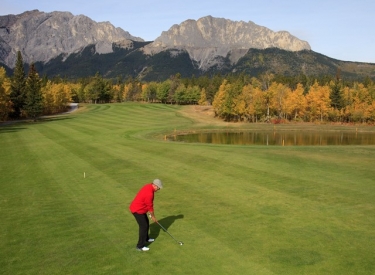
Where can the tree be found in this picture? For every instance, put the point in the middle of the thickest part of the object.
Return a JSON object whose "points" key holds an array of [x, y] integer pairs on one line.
{"points": [[5, 102], [48, 98], [296, 103], [336, 95], [243, 102], [219, 99], [79, 93], [98, 90], [127, 91], [56, 97], [175, 81], [132, 90], [203, 98], [149, 91], [117, 92], [371, 112], [180, 94], [162, 91], [258, 105], [318, 101], [34, 97], [266, 80], [17, 90], [192, 94], [269, 99], [361, 102], [280, 93], [103, 88]]}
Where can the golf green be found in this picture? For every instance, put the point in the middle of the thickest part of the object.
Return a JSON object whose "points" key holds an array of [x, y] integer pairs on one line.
{"points": [[66, 183]]}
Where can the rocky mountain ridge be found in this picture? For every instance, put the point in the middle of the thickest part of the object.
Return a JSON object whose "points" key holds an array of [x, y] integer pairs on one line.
{"points": [[43, 36], [64, 45], [209, 38]]}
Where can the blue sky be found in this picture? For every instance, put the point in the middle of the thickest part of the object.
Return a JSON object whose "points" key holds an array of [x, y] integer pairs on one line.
{"points": [[344, 29]]}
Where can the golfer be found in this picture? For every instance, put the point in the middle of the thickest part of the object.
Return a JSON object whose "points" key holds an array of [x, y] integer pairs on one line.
{"points": [[143, 203]]}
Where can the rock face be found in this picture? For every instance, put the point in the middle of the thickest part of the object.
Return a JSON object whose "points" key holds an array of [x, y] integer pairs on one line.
{"points": [[209, 38], [42, 36], [209, 41]]}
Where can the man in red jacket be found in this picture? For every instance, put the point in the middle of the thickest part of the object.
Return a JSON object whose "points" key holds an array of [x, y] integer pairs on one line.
{"points": [[143, 203]]}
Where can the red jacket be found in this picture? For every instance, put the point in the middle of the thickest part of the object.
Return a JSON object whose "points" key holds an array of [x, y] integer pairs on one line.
{"points": [[144, 200]]}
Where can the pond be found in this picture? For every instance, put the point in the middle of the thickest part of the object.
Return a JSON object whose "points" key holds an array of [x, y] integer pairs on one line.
{"points": [[280, 138]]}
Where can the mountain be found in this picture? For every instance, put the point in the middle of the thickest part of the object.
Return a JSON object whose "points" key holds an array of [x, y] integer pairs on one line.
{"points": [[76, 46], [43, 36], [210, 38]]}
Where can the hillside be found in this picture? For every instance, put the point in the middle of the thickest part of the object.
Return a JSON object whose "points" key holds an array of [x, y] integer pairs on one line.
{"points": [[133, 63]]}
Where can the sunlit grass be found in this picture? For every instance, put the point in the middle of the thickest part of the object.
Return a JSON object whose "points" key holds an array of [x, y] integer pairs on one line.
{"points": [[66, 183]]}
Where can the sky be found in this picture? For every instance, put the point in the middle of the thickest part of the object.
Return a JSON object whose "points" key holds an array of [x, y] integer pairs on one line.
{"points": [[339, 29]]}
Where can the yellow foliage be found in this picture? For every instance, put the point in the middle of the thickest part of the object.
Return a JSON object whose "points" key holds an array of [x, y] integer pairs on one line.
{"points": [[203, 98], [126, 90], [219, 99], [5, 102], [56, 97], [117, 93], [295, 103], [318, 101]]}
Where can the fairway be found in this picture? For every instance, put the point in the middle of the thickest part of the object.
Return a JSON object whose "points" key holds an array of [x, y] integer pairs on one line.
{"points": [[66, 183]]}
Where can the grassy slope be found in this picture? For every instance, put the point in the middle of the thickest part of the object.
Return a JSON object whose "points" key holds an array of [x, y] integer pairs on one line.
{"points": [[238, 209]]}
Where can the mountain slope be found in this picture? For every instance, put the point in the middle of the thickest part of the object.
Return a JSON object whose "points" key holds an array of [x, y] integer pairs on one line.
{"points": [[134, 63]]}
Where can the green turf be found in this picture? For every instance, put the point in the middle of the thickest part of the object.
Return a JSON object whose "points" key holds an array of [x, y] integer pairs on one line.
{"points": [[238, 209]]}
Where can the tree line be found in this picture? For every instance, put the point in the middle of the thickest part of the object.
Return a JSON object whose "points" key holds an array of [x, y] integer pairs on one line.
{"points": [[234, 97], [29, 96], [331, 102]]}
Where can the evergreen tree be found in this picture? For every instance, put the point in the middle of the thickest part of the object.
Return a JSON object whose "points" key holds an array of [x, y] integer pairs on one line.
{"points": [[99, 90], [17, 90], [34, 97], [336, 96]]}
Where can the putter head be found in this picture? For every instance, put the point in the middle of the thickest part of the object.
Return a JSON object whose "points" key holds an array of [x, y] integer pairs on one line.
{"points": [[180, 243]]}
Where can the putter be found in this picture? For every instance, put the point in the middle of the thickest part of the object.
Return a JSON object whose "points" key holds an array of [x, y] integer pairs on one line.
{"points": [[180, 243]]}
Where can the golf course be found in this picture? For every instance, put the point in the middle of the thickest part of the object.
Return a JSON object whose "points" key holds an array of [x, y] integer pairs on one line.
{"points": [[66, 183]]}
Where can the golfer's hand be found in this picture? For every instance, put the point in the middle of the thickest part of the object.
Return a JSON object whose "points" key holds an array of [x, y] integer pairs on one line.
{"points": [[152, 217]]}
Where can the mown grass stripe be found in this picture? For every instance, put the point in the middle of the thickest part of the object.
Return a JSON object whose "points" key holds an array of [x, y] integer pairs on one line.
{"points": [[238, 209]]}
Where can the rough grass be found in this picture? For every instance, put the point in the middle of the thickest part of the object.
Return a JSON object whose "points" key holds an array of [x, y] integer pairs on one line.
{"points": [[238, 209]]}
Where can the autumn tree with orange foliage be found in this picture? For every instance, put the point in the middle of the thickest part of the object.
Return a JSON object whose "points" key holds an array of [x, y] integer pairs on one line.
{"points": [[56, 97], [295, 103], [318, 102], [359, 102]]}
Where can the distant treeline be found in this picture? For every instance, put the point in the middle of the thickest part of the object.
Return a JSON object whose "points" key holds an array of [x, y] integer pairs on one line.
{"points": [[234, 97]]}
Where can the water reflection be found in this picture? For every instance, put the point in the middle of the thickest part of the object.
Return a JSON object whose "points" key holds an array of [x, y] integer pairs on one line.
{"points": [[282, 138]]}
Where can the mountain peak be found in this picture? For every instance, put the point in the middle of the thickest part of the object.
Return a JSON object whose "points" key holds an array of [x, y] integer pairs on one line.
{"points": [[209, 37], [42, 36]]}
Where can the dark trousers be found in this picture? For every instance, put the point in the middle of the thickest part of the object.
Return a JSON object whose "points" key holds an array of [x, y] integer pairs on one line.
{"points": [[144, 226]]}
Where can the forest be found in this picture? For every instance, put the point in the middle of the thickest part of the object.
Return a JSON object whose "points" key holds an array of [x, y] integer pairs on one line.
{"points": [[234, 97]]}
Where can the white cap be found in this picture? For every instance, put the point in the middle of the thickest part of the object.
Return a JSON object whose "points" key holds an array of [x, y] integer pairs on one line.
{"points": [[158, 183]]}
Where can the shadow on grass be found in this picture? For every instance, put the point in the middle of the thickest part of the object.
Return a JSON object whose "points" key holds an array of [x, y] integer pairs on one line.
{"points": [[54, 118], [10, 129], [166, 223], [8, 126]]}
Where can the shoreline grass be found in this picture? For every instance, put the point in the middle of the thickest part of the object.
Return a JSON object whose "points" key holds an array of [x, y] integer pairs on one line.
{"points": [[238, 209]]}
